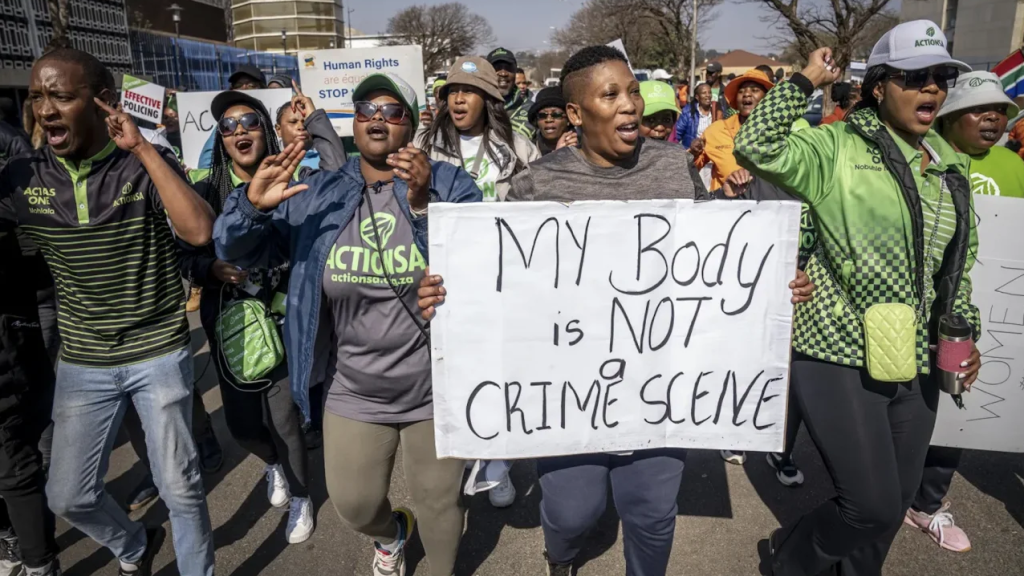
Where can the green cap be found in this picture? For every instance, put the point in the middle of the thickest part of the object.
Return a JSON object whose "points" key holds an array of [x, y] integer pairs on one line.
{"points": [[391, 83], [658, 96], [438, 83]]}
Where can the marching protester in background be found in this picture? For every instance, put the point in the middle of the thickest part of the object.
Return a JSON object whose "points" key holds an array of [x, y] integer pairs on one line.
{"points": [[121, 315], [353, 319], [246, 77], [845, 98], [696, 117], [430, 110], [260, 414], [172, 127], [660, 111], [713, 78], [683, 93], [517, 104], [884, 169], [280, 81], [972, 120], [524, 83], [26, 393], [613, 162], [548, 115], [716, 144], [472, 129], [301, 120]]}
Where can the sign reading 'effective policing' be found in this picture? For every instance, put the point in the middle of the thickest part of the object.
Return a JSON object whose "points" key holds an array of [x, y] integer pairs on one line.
{"points": [[611, 326], [142, 99]]}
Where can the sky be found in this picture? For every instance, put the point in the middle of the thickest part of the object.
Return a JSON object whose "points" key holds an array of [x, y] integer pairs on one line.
{"points": [[526, 24]]}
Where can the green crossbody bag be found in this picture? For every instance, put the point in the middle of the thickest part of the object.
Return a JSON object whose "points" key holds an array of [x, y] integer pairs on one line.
{"points": [[249, 342], [890, 329]]}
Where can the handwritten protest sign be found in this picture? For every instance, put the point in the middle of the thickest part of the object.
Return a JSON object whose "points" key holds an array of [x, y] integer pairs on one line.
{"points": [[142, 99], [197, 122], [330, 76], [611, 326], [993, 418]]}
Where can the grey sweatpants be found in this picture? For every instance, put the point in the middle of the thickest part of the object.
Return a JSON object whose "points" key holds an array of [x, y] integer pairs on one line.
{"points": [[358, 459]]}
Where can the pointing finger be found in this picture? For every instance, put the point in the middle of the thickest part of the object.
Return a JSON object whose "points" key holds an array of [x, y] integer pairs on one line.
{"points": [[104, 106]]}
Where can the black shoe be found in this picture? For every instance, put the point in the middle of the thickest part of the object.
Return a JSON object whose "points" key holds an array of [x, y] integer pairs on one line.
{"points": [[557, 569], [10, 554], [211, 457], [154, 540], [314, 439], [143, 494]]}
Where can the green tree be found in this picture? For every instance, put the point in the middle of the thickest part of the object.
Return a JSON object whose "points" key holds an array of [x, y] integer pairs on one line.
{"points": [[444, 31]]}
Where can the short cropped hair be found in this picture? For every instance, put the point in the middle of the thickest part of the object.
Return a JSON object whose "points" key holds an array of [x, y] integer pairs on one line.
{"points": [[97, 76], [578, 63]]}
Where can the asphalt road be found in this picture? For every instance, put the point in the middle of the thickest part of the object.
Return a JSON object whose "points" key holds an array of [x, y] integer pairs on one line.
{"points": [[724, 512]]}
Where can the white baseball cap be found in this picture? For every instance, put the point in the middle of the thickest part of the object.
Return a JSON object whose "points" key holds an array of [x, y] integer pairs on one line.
{"points": [[912, 46], [660, 74], [977, 89]]}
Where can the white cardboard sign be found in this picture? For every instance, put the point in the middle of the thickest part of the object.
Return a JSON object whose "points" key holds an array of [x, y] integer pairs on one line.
{"points": [[142, 99], [993, 415], [330, 76], [611, 326], [197, 122]]}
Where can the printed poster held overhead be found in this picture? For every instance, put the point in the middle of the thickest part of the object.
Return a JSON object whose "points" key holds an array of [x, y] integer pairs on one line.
{"points": [[330, 76], [142, 99], [611, 326]]}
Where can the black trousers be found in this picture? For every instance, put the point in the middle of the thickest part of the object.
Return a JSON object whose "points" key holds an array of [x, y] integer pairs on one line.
{"points": [[939, 466], [793, 417], [873, 437], [26, 402], [268, 425]]}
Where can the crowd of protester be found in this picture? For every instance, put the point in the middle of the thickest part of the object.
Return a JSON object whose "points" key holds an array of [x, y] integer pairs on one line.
{"points": [[278, 235]]}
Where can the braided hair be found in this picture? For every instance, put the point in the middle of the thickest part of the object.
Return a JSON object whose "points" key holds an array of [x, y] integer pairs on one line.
{"points": [[220, 171]]}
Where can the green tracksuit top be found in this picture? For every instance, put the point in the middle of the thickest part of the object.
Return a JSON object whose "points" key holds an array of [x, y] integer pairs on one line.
{"points": [[872, 221]]}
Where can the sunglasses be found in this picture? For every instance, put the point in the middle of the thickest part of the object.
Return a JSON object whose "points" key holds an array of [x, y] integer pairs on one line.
{"points": [[550, 115], [250, 121], [944, 76], [392, 113]]}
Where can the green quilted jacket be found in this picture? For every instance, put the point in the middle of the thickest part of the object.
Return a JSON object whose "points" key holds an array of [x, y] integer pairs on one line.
{"points": [[869, 221]]}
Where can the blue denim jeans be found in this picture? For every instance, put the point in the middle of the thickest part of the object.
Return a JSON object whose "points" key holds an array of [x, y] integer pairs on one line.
{"points": [[88, 408]]}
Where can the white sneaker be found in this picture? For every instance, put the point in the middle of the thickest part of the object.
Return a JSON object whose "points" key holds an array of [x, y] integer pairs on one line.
{"points": [[11, 568], [504, 494], [737, 458], [10, 561], [392, 563], [300, 521], [277, 486]]}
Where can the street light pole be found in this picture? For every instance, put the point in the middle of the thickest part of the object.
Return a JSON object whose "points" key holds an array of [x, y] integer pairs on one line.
{"points": [[693, 50], [175, 11], [349, 22], [284, 41]]}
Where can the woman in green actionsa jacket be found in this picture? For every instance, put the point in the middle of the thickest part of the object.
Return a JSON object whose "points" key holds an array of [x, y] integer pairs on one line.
{"points": [[892, 210]]}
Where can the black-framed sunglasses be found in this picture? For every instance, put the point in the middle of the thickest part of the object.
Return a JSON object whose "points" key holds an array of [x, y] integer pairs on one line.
{"points": [[392, 113], [944, 76], [550, 115], [249, 121]]}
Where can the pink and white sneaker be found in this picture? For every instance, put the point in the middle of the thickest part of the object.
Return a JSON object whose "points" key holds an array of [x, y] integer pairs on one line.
{"points": [[940, 527]]}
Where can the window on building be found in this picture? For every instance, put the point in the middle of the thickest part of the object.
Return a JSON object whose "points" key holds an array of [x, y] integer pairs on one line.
{"points": [[247, 44], [273, 25], [318, 42], [243, 29], [314, 9], [273, 9], [242, 13], [315, 25], [273, 43]]}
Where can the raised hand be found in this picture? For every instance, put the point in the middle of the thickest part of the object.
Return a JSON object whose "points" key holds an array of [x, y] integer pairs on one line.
{"points": [[567, 139], [300, 102], [122, 128], [411, 164], [269, 186], [821, 69]]}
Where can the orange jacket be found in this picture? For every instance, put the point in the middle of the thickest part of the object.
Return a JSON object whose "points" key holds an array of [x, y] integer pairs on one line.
{"points": [[835, 116], [1018, 134], [718, 144]]}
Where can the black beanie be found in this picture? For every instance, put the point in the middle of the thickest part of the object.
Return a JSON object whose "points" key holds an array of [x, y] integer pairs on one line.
{"points": [[547, 98]]}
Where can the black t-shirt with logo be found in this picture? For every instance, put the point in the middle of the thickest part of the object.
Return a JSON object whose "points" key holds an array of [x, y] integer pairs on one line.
{"points": [[104, 233]]}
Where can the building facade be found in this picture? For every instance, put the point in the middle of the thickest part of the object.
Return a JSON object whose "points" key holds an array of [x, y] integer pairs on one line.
{"points": [[979, 32], [287, 25]]}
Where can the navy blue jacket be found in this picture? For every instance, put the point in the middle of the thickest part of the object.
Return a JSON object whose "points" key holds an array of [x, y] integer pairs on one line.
{"points": [[302, 231]]}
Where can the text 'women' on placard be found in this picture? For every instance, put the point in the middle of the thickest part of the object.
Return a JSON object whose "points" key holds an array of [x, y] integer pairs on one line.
{"points": [[611, 326]]}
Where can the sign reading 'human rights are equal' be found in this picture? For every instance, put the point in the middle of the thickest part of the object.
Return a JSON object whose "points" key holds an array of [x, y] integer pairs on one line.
{"points": [[611, 326]]}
